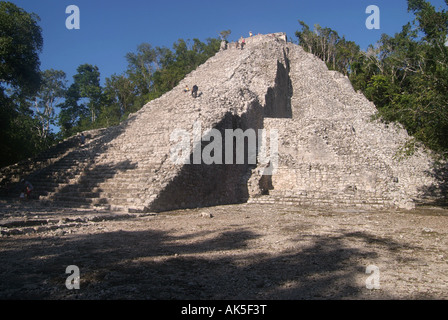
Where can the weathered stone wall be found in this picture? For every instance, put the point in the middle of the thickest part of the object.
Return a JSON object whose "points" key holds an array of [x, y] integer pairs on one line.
{"points": [[333, 153]]}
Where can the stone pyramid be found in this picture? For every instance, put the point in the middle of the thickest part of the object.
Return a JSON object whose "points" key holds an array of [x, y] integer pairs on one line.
{"points": [[330, 151]]}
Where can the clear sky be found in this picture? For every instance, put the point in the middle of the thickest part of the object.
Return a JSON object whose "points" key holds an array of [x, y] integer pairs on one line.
{"points": [[111, 28]]}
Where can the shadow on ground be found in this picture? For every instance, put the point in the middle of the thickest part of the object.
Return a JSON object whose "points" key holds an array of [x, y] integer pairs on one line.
{"points": [[203, 265], [437, 193]]}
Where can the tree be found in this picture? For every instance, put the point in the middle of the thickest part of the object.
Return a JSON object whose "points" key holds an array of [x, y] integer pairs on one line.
{"points": [[225, 34], [141, 66], [83, 101], [306, 37], [121, 91], [184, 58], [71, 111], [325, 43], [53, 89], [20, 43], [416, 62], [88, 82]]}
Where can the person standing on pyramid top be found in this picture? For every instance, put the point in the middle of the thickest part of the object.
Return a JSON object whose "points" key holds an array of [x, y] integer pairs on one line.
{"points": [[223, 45], [243, 42]]}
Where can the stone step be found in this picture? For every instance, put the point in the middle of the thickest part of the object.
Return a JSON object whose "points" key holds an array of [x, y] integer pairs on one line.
{"points": [[124, 202], [91, 194], [336, 202], [68, 204], [104, 207], [332, 199]]}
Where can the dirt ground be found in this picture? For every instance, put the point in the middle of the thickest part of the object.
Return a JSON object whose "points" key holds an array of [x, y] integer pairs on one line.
{"points": [[233, 252]]}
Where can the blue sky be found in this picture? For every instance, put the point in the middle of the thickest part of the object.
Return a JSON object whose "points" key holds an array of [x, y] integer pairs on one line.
{"points": [[111, 28]]}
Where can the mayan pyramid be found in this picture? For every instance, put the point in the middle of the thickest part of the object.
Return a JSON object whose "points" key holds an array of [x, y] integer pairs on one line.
{"points": [[330, 150]]}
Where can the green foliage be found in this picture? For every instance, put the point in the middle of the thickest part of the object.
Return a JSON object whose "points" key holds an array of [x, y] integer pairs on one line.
{"points": [[225, 34], [87, 81], [83, 101], [20, 44], [325, 43], [416, 63], [380, 90], [185, 58], [52, 90], [406, 150], [141, 67]]}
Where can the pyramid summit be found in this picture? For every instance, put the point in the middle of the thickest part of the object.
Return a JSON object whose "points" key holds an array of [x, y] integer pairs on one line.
{"points": [[329, 149]]}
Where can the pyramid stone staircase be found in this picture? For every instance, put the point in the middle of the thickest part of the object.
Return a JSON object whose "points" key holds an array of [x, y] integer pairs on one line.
{"points": [[330, 151]]}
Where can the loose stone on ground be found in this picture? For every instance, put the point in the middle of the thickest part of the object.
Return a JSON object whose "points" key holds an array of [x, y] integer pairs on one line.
{"points": [[245, 251]]}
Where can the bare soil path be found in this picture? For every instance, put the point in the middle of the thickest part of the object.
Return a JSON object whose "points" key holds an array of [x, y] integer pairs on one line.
{"points": [[242, 251]]}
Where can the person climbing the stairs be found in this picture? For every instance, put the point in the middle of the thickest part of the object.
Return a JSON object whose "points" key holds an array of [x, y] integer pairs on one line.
{"points": [[194, 91], [27, 188], [82, 139]]}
